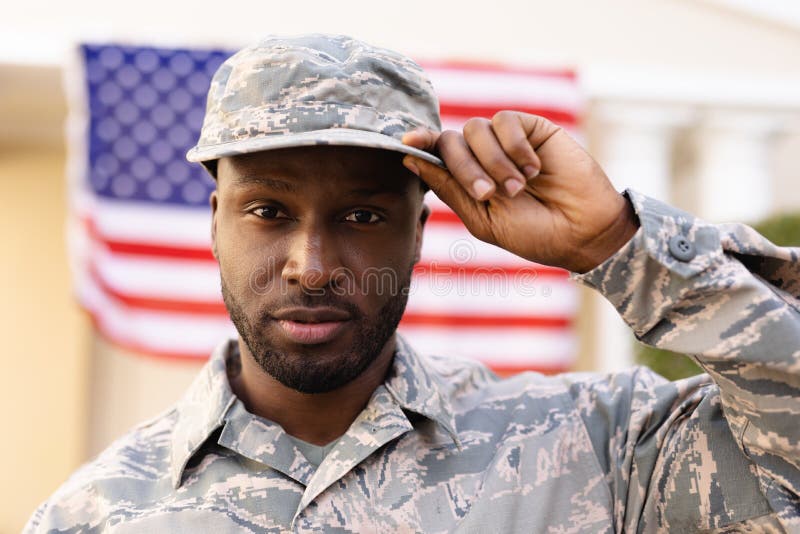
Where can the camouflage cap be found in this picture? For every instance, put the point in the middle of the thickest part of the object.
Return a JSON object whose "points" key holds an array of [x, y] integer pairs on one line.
{"points": [[315, 90]]}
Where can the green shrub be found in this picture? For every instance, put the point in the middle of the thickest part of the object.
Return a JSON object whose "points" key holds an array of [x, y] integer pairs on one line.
{"points": [[782, 230]]}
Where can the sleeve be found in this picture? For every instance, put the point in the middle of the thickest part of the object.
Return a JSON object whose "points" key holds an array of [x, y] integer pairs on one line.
{"points": [[705, 452]]}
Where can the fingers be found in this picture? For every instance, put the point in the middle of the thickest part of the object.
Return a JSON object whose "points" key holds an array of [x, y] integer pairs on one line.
{"points": [[495, 159], [446, 187], [497, 154], [512, 131], [460, 161], [464, 167]]}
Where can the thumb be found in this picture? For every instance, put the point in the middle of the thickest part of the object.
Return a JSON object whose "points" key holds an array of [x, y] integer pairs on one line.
{"points": [[447, 188]]}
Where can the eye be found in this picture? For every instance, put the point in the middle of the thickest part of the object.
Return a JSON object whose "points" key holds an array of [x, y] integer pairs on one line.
{"points": [[363, 216], [269, 212]]}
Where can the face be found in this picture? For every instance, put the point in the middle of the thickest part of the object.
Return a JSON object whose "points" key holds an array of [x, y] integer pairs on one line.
{"points": [[316, 246]]}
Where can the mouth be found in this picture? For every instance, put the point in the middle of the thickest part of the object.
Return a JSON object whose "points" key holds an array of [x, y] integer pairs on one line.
{"points": [[311, 326]]}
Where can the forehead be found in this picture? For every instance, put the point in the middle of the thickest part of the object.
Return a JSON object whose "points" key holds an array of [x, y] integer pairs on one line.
{"points": [[325, 165]]}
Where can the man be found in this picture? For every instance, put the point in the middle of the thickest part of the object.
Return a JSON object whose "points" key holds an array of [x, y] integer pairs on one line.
{"points": [[320, 418]]}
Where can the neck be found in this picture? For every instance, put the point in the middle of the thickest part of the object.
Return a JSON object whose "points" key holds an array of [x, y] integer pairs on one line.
{"points": [[317, 418]]}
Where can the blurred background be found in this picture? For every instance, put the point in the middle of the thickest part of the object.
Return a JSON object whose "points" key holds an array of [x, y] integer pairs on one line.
{"points": [[696, 102]]}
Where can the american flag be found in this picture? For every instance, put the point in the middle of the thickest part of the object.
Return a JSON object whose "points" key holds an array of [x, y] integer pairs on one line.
{"points": [[139, 228]]}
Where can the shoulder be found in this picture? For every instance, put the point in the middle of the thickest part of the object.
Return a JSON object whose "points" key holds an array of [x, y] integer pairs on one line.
{"points": [[468, 382], [133, 466]]}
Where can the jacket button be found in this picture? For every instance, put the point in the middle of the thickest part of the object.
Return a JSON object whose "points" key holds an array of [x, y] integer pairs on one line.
{"points": [[681, 248]]}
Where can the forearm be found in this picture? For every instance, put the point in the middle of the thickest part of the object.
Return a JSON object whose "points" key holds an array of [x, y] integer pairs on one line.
{"points": [[744, 331]]}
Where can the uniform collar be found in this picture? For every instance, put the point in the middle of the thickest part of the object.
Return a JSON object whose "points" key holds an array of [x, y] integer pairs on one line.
{"points": [[209, 404], [416, 387], [202, 409]]}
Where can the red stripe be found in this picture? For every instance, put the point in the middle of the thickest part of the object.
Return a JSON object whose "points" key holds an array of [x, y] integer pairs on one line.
{"points": [[478, 321], [457, 111], [445, 216], [471, 269], [500, 68], [434, 267], [421, 269], [217, 308], [148, 249], [545, 369], [162, 251], [198, 359], [197, 307], [138, 248], [142, 349]]}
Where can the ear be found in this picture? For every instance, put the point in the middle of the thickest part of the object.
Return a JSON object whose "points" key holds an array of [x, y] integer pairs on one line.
{"points": [[213, 201], [423, 218]]}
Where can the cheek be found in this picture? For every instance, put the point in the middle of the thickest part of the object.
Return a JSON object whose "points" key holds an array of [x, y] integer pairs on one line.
{"points": [[383, 269], [247, 263]]}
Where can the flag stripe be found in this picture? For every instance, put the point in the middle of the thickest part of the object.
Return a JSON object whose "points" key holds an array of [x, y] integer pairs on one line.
{"points": [[461, 111], [435, 243], [485, 69], [217, 307]]}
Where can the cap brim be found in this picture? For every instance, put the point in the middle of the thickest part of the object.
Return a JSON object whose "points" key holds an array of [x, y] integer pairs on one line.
{"points": [[334, 136]]}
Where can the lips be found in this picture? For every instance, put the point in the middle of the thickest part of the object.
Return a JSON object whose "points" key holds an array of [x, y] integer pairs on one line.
{"points": [[311, 326]]}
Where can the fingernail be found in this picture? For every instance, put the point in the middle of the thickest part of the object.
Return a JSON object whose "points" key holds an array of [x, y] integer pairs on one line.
{"points": [[513, 186], [410, 166], [481, 187], [530, 171]]}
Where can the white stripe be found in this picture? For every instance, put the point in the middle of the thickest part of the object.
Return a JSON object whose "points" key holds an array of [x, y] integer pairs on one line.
{"points": [[505, 88], [484, 293], [142, 276], [496, 346], [449, 244], [188, 227], [191, 334], [493, 295], [154, 331], [147, 223]]}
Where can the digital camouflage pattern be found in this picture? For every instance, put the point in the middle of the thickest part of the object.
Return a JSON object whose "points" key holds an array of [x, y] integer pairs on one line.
{"points": [[313, 90], [445, 446]]}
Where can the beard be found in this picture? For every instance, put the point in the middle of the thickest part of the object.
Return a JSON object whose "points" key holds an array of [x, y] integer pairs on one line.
{"points": [[304, 370]]}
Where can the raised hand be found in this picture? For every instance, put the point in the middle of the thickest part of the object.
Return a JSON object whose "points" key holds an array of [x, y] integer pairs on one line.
{"points": [[520, 182]]}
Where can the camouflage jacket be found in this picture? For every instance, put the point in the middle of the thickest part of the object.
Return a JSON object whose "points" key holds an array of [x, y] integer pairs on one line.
{"points": [[443, 445]]}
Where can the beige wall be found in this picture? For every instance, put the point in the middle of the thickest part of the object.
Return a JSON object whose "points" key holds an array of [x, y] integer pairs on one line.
{"points": [[128, 388], [45, 359], [66, 394]]}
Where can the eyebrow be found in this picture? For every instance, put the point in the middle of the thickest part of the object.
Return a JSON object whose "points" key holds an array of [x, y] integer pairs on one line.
{"points": [[273, 183], [291, 187]]}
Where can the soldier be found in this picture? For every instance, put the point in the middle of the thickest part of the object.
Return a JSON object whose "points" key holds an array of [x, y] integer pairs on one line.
{"points": [[320, 418]]}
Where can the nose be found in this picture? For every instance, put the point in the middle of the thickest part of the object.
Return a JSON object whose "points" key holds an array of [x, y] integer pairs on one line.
{"points": [[312, 259]]}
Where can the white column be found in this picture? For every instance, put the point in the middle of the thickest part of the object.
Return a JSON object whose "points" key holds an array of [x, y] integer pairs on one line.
{"points": [[733, 166], [634, 145]]}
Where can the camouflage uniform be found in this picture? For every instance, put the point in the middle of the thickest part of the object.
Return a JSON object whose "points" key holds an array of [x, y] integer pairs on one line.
{"points": [[445, 446]]}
